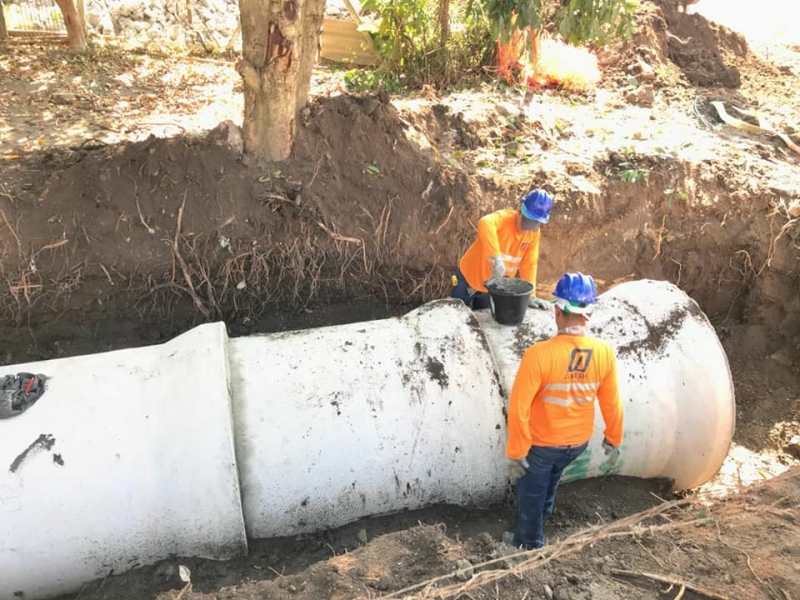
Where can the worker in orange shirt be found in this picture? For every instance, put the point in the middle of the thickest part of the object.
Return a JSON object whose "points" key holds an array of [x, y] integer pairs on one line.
{"points": [[508, 241], [551, 409]]}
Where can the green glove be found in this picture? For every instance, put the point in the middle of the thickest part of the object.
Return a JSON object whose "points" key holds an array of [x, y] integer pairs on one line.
{"points": [[517, 468], [612, 452]]}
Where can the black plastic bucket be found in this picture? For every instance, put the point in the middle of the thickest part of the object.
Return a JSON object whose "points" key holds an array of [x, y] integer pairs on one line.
{"points": [[509, 299]]}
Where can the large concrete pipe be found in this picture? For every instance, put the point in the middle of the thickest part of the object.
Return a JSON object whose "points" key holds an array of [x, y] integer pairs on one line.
{"points": [[674, 381], [329, 425], [126, 459], [338, 423]]}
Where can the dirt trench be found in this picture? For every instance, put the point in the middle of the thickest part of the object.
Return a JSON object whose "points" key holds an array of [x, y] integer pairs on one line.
{"points": [[117, 245], [366, 229], [172, 232]]}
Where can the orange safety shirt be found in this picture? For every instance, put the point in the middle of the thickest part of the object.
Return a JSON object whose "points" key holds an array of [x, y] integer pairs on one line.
{"points": [[552, 400], [499, 235]]}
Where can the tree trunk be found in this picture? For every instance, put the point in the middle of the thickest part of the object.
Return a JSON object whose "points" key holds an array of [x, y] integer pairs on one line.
{"points": [[75, 38], [313, 15], [3, 30], [444, 22], [279, 40]]}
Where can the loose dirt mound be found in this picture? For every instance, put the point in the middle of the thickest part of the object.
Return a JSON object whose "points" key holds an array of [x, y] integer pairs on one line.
{"points": [[684, 48], [164, 222], [708, 54]]}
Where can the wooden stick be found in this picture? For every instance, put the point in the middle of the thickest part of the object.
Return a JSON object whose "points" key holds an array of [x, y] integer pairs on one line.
{"points": [[53, 246], [185, 589], [11, 229], [682, 584], [182, 263]]}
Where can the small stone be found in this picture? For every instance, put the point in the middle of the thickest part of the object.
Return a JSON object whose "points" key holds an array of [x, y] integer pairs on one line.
{"points": [[793, 446], [573, 579], [727, 578], [228, 134], [370, 105], [548, 592], [506, 109], [184, 574], [362, 536], [384, 584], [562, 593], [63, 98], [465, 570], [782, 359], [646, 72], [794, 209], [643, 96], [172, 574]]}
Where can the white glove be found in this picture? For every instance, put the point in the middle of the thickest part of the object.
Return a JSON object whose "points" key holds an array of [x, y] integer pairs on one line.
{"points": [[498, 267], [517, 468], [535, 302], [612, 452]]}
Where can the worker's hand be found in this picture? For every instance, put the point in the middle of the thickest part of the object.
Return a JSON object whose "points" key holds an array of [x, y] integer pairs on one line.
{"points": [[517, 468], [612, 453], [535, 302], [498, 267]]}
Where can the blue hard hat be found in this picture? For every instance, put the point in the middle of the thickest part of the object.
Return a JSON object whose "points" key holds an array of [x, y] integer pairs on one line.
{"points": [[577, 290], [536, 206]]}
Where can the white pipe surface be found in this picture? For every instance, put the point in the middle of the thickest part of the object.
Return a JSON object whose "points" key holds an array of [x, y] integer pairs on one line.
{"points": [[674, 381], [329, 425], [338, 423], [125, 460]]}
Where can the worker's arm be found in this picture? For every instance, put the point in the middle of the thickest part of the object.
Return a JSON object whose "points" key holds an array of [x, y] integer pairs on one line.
{"points": [[611, 404], [529, 266], [487, 234], [526, 386]]}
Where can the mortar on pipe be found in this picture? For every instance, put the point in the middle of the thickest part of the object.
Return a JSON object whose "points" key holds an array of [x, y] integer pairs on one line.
{"points": [[331, 425]]}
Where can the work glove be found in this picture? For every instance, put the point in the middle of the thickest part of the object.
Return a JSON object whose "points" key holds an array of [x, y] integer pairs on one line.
{"points": [[612, 452], [517, 468], [535, 302], [498, 267]]}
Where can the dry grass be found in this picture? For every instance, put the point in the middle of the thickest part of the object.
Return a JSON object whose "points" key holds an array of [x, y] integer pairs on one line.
{"points": [[683, 514]]}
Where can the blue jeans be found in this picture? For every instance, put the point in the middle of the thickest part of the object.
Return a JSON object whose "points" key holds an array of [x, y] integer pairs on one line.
{"points": [[536, 491], [475, 300]]}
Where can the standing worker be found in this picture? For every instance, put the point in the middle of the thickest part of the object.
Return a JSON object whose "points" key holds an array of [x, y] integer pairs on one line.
{"points": [[508, 240], [551, 409]]}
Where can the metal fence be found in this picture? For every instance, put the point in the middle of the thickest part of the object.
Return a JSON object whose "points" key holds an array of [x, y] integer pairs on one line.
{"points": [[33, 15]]}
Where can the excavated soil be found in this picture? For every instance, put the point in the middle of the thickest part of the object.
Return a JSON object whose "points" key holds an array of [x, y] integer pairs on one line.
{"points": [[114, 235]]}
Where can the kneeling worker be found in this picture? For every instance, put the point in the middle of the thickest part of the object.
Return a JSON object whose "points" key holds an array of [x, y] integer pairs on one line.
{"points": [[508, 240], [551, 409]]}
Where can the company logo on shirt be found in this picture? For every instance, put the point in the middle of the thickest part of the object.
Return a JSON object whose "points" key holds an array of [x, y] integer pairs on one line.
{"points": [[579, 360], [524, 247]]}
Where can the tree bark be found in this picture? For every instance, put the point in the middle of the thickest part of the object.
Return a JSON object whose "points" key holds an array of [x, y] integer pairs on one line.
{"points": [[444, 22], [3, 30], [310, 47], [279, 41], [75, 37]]}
